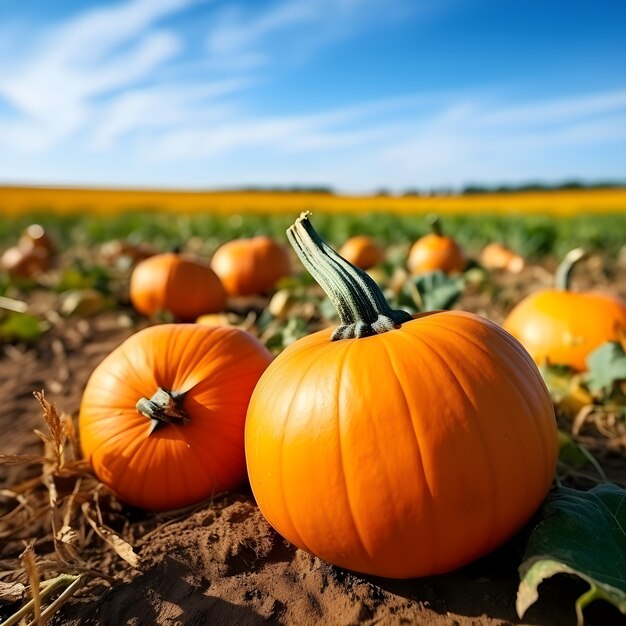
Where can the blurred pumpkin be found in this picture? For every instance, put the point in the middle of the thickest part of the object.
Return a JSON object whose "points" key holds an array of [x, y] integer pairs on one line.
{"points": [[395, 446], [251, 266], [436, 251], [162, 417], [559, 326], [496, 256], [362, 251], [170, 282]]}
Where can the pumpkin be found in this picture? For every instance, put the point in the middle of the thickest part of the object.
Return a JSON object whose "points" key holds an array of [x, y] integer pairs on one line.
{"points": [[496, 256], [162, 417], [362, 251], [562, 327], [251, 266], [436, 251], [397, 446], [170, 282]]}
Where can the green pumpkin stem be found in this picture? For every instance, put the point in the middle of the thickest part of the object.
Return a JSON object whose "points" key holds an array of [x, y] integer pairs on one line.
{"points": [[435, 224], [164, 407], [361, 305], [564, 270]]}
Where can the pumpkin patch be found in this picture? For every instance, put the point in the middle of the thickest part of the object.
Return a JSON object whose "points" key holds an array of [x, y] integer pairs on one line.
{"points": [[304, 452]]}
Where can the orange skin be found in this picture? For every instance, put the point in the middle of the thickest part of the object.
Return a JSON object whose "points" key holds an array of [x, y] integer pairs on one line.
{"points": [[563, 327], [436, 252], [362, 251], [408, 453], [177, 465], [251, 266], [495, 256], [169, 282]]}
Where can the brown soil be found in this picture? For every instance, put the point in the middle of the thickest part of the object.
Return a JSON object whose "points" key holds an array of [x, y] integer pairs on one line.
{"points": [[222, 563]]}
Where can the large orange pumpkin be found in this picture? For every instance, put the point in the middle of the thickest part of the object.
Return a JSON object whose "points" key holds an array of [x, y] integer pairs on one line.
{"points": [[436, 251], [251, 266], [362, 251], [170, 282], [395, 446], [562, 327], [162, 417]]}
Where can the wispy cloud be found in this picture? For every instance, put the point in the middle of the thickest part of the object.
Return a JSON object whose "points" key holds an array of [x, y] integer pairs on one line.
{"points": [[288, 30], [103, 50]]}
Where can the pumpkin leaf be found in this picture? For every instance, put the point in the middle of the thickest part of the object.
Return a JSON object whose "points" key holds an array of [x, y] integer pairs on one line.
{"points": [[436, 290], [582, 533], [22, 327], [566, 388], [574, 457], [295, 329], [607, 366]]}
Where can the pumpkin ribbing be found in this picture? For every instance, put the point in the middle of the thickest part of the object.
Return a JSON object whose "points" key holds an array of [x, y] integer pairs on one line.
{"points": [[405, 453]]}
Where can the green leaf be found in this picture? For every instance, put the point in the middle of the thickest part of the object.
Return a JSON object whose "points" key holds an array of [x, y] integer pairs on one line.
{"points": [[574, 457], [582, 533], [22, 327], [436, 290], [565, 387], [607, 365], [295, 329]]}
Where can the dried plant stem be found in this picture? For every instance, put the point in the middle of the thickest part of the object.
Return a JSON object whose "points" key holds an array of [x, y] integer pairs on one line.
{"points": [[47, 588]]}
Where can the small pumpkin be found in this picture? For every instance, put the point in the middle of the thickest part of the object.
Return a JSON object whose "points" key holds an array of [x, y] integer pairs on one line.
{"points": [[362, 251], [251, 266], [562, 327], [397, 446], [436, 251], [162, 417], [496, 256], [171, 282]]}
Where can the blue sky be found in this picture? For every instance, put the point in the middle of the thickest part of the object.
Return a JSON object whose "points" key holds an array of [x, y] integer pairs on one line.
{"points": [[354, 94]]}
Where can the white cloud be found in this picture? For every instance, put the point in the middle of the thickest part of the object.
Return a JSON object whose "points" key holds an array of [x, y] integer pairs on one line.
{"points": [[54, 86], [557, 111]]}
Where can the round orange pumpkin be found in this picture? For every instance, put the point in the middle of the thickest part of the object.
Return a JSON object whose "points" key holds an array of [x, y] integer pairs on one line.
{"points": [[251, 266], [162, 417], [496, 256], [436, 251], [562, 327], [395, 446], [362, 251], [170, 282]]}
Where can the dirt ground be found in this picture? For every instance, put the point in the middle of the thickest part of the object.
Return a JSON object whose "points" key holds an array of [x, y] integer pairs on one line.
{"points": [[222, 563]]}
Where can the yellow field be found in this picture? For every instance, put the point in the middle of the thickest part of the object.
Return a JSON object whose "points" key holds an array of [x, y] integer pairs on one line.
{"points": [[18, 200]]}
